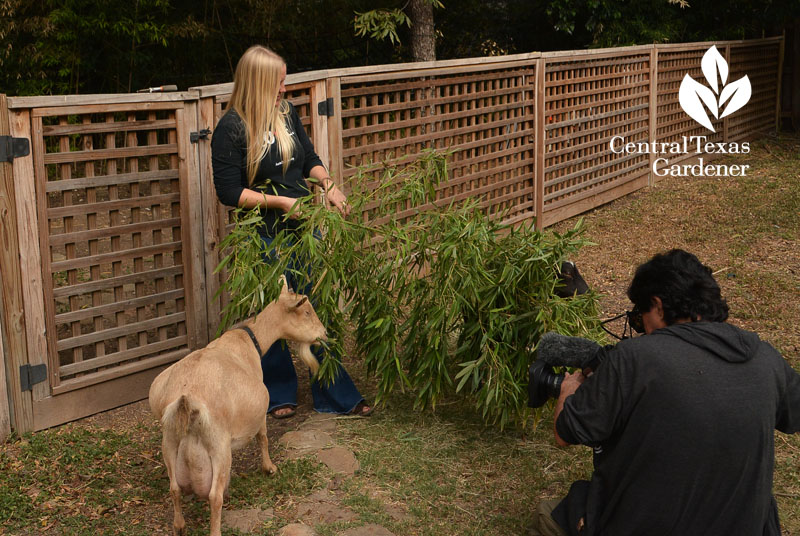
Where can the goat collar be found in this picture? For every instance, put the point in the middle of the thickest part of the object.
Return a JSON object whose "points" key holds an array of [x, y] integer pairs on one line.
{"points": [[253, 338]]}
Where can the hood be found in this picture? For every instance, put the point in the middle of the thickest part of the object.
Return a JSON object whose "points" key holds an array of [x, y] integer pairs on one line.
{"points": [[725, 341]]}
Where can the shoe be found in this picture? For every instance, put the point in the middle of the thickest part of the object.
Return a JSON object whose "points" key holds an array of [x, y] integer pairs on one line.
{"points": [[283, 415], [362, 410]]}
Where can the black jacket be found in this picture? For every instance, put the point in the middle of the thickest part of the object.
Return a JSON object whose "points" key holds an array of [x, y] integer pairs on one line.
{"points": [[229, 163], [682, 421]]}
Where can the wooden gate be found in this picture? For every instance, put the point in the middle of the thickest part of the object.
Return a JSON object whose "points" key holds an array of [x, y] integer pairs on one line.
{"points": [[108, 257]]}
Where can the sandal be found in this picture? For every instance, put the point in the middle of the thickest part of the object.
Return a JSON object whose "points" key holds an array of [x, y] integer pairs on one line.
{"points": [[362, 410], [284, 414]]}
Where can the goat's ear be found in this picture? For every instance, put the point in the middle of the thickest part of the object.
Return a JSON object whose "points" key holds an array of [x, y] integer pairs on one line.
{"points": [[301, 302], [284, 284]]}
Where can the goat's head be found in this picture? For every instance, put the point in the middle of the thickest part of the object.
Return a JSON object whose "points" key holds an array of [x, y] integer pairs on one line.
{"points": [[299, 321], [570, 281]]}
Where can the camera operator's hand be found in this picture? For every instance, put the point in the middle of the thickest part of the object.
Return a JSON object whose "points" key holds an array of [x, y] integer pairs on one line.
{"points": [[568, 387], [571, 383]]}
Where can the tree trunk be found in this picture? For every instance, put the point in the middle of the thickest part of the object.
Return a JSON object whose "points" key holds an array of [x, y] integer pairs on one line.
{"points": [[794, 104], [423, 39]]}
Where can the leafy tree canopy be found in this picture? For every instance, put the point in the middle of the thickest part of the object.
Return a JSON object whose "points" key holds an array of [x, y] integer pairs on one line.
{"points": [[83, 46]]}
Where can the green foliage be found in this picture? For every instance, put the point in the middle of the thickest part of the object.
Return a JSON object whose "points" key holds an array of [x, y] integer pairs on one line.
{"points": [[440, 298], [61, 46], [609, 23], [380, 24], [82, 46]]}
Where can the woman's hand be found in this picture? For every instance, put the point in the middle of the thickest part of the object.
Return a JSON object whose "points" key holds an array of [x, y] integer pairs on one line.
{"points": [[337, 199], [334, 197], [291, 207]]}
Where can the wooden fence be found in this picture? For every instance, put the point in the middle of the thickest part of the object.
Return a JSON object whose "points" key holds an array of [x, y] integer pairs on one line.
{"points": [[110, 222]]}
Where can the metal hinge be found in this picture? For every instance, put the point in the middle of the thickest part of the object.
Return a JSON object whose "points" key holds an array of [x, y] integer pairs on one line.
{"points": [[194, 137], [325, 107], [30, 375], [11, 148]]}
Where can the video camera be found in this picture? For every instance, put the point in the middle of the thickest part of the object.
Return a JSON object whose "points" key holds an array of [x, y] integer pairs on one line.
{"points": [[557, 350]]}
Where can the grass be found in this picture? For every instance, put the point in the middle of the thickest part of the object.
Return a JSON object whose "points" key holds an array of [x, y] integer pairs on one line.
{"points": [[445, 473], [453, 474], [78, 480]]}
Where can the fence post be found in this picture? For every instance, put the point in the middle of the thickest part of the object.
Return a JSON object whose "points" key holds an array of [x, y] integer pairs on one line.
{"points": [[334, 124], [781, 52], [319, 123], [211, 231], [795, 84], [538, 176], [5, 408], [192, 234], [11, 298], [22, 296], [653, 119]]}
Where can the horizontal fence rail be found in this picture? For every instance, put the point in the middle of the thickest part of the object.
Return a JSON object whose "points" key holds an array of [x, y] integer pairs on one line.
{"points": [[111, 222]]}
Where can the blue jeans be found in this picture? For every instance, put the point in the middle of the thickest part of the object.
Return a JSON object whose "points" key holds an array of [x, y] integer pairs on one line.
{"points": [[280, 377]]}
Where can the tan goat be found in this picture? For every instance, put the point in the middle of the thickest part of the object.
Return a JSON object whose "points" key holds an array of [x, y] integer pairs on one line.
{"points": [[213, 401]]}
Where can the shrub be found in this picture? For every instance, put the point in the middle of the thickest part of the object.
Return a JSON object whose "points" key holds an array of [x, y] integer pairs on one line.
{"points": [[438, 298]]}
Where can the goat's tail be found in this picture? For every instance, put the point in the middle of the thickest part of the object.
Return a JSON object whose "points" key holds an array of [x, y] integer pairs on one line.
{"points": [[184, 416], [304, 351]]}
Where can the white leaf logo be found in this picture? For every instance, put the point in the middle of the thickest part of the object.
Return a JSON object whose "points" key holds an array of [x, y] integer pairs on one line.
{"points": [[714, 63], [692, 95], [739, 92]]}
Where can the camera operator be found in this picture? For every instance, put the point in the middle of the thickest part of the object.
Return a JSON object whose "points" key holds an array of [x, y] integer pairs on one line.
{"points": [[681, 420]]}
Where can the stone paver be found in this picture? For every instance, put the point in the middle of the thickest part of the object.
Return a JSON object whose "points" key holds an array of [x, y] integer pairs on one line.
{"points": [[324, 422], [248, 520], [315, 436], [339, 460], [301, 442], [296, 529]]}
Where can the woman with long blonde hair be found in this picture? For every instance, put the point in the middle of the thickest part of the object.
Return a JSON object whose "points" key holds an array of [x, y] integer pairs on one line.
{"points": [[261, 156]]}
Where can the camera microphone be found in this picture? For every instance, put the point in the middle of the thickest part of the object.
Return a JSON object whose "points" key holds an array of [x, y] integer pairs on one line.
{"points": [[561, 351], [564, 351]]}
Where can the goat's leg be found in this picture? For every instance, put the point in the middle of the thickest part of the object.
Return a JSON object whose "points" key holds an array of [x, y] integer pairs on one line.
{"points": [[169, 449], [266, 463], [221, 467]]}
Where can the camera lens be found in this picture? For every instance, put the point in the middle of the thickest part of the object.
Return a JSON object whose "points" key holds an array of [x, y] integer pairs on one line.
{"points": [[543, 384]]}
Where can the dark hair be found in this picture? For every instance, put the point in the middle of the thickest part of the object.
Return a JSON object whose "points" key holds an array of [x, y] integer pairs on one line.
{"points": [[686, 287]]}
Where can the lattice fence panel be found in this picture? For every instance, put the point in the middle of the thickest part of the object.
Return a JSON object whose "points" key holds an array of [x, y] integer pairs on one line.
{"points": [[760, 64], [109, 196], [673, 124], [588, 102], [486, 118]]}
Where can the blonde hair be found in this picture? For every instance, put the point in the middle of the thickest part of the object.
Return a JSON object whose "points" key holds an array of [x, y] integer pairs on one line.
{"points": [[256, 85]]}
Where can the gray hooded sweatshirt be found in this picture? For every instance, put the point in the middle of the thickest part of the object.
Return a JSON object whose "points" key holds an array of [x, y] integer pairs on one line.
{"points": [[682, 422]]}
